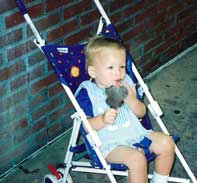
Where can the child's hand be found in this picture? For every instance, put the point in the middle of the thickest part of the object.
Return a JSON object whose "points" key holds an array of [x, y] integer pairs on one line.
{"points": [[131, 93], [109, 116], [134, 104]]}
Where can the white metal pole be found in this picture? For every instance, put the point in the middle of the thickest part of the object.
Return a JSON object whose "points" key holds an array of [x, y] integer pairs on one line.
{"points": [[40, 41], [102, 11]]}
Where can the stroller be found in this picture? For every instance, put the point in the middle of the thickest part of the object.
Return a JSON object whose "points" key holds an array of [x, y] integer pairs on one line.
{"points": [[68, 63]]}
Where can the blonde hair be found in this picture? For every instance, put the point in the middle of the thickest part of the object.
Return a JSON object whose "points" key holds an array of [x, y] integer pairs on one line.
{"points": [[97, 44]]}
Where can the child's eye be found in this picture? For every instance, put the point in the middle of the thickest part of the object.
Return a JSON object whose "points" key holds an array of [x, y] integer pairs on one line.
{"points": [[110, 67], [122, 67]]}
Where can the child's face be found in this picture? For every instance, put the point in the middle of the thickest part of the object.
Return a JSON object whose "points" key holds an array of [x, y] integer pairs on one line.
{"points": [[108, 67]]}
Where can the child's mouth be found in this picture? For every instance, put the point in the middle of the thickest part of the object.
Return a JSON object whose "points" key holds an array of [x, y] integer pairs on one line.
{"points": [[117, 82]]}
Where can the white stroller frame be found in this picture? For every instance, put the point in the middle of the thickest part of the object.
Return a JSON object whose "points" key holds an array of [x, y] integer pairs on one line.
{"points": [[80, 117]]}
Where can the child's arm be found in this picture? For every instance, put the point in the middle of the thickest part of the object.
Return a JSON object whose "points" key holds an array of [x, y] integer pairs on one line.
{"points": [[134, 104], [97, 122], [102, 120]]}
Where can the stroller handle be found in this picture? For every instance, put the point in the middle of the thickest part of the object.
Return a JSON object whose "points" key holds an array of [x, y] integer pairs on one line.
{"points": [[21, 7]]}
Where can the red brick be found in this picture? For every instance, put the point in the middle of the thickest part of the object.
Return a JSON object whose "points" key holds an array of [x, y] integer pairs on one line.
{"points": [[45, 22], [150, 66], [36, 72], [12, 70], [53, 104], [40, 139], [10, 38], [23, 123], [172, 52], [40, 112], [171, 32], [149, 3], [167, 43], [117, 17], [117, 4], [143, 38], [35, 58], [15, 126], [43, 83], [1, 59], [188, 12], [183, 33], [18, 82], [7, 5], [54, 130], [92, 16], [12, 100], [62, 30], [134, 9], [51, 4], [123, 26], [146, 15], [188, 41], [77, 9], [20, 50], [20, 125], [17, 18], [55, 89], [38, 99], [137, 30], [155, 21], [40, 125], [56, 114], [161, 28], [2, 90], [175, 9], [155, 42], [140, 17], [68, 106], [136, 53], [79, 36], [164, 4], [146, 58]]}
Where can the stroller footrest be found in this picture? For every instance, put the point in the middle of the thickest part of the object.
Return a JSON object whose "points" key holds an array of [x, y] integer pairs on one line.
{"points": [[78, 149]]}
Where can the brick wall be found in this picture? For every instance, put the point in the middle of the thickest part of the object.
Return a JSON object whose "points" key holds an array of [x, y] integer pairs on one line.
{"points": [[34, 108]]}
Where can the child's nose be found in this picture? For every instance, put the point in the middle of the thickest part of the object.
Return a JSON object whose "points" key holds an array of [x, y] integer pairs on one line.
{"points": [[118, 72]]}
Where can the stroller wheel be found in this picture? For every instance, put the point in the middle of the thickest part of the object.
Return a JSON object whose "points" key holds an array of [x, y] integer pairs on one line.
{"points": [[61, 172], [50, 179]]}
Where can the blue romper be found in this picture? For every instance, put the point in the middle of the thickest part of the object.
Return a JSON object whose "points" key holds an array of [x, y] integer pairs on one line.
{"points": [[125, 131]]}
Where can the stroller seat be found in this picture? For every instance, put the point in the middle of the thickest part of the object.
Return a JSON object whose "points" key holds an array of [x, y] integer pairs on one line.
{"points": [[68, 63]]}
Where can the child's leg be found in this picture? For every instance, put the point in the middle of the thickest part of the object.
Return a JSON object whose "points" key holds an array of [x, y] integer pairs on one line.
{"points": [[133, 159], [163, 146]]}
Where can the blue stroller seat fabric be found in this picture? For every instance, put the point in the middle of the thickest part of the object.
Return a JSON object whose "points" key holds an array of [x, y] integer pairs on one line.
{"points": [[68, 63]]}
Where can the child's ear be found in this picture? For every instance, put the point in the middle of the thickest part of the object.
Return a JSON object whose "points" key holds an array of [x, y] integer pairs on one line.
{"points": [[92, 71]]}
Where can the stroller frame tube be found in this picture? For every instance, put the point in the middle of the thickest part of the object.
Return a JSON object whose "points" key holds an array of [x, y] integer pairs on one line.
{"points": [[39, 41], [153, 106]]}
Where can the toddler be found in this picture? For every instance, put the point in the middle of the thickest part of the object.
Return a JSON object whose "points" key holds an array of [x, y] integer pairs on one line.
{"points": [[119, 128]]}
